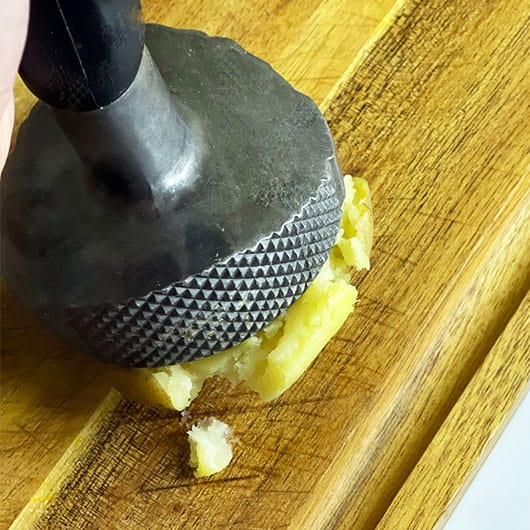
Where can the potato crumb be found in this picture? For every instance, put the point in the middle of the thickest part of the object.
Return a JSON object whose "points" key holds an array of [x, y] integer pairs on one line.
{"points": [[210, 447]]}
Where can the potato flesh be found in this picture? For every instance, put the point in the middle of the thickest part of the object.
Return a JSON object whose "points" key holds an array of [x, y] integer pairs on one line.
{"points": [[210, 448], [270, 362]]}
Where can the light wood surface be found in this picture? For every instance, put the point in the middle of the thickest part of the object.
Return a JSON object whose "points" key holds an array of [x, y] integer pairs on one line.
{"points": [[434, 112], [451, 460]]}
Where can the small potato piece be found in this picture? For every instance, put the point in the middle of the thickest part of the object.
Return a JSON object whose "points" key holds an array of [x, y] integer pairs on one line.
{"points": [[210, 448]]}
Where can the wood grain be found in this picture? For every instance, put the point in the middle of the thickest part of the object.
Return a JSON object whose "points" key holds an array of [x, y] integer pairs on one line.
{"points": [[434, 113], [433, 116], [451, 460]]}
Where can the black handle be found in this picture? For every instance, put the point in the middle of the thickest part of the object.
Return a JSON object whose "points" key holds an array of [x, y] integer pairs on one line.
{"points": [[81, 55]]}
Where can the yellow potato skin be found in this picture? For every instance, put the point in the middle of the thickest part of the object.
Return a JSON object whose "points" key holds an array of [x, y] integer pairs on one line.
{"points": [[278, 355]]}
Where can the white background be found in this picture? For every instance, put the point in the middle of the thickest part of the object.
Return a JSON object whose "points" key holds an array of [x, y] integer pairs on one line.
{"points": [[499, 496]]}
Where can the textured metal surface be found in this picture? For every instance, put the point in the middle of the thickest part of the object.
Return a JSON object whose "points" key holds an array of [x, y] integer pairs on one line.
{"points": [[138, 263], [224, 304]]}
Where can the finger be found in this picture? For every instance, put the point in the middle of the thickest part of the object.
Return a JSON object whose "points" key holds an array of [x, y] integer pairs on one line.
{"points": [[6, 127], [13, 28]]}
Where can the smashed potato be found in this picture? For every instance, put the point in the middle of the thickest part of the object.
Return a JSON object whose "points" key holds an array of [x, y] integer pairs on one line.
{"points": [[270, 362]]}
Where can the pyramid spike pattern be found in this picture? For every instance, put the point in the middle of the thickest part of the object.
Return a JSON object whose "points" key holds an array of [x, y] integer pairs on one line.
{"points": [[221, 306]]}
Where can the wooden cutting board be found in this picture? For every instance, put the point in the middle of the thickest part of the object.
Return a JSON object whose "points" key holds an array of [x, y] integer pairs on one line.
{"points": [[432, 106]]}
